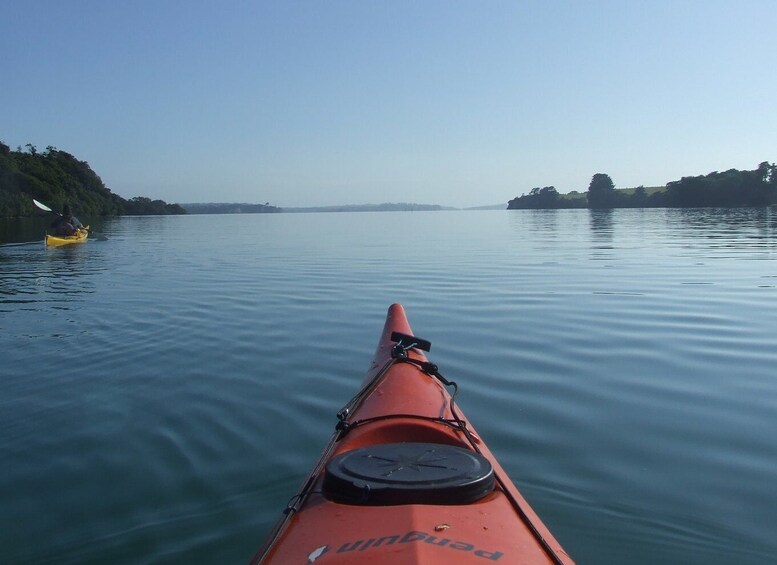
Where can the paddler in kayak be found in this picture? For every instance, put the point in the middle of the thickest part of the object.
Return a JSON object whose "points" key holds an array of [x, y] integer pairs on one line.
{"points": [[67, 223]]}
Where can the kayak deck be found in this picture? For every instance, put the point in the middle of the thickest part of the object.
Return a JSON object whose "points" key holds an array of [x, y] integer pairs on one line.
{"points": [[406, 480]]}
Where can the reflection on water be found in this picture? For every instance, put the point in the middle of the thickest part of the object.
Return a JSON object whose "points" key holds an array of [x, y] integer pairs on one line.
{"points": [[540, 221], [601, 224], [38, 274], [731, 227], [23, 230]]}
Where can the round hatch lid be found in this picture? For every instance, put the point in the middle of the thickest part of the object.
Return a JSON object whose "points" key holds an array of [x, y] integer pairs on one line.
{"points": [[408, 473]]}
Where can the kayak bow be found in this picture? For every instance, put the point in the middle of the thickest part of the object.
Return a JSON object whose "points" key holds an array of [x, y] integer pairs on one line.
{"points": [[406, 480]]}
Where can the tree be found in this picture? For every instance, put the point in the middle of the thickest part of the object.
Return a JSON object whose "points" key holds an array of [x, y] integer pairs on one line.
{"points": [[548, 196], [767, 173], [538, 198], [601, 191]]}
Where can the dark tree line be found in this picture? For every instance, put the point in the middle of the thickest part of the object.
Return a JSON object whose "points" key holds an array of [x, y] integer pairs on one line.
{"points": [[226, 208], [542, 198], [57, 178], [730, 189]]}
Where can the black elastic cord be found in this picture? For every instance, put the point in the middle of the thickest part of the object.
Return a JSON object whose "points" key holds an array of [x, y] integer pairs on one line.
{"points": [[433, 370], [345, 427]]}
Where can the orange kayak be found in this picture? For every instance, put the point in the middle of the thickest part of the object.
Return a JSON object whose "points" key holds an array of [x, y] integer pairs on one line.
{"points": [[406, 479]]}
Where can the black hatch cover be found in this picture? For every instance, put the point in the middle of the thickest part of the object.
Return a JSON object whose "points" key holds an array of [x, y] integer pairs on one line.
{"points": [[408, 473]]}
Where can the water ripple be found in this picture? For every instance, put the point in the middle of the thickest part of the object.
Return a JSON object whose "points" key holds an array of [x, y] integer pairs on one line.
{"points": [[165, 391]]}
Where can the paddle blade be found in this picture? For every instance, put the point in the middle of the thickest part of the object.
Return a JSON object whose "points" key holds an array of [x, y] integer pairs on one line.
{"points": [[41, 206]]}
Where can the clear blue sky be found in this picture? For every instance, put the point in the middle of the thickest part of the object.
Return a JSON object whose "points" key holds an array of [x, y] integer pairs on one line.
{"points": [[446, 102]]}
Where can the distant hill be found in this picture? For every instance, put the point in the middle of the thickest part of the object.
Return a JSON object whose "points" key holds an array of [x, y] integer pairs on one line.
{"points": [[241, 208], [230, 208], [489, 207], [385, 207]]}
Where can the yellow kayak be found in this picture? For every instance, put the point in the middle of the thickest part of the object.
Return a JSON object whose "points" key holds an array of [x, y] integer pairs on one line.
{"points": [[80, 237]]}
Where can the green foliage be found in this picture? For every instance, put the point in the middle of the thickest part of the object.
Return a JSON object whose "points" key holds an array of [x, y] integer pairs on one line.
{"points": [[57, 178], [142, 206], [543, 198], [601, 183], [601, 192], [640, 195], [729, 189], [540, 198]]}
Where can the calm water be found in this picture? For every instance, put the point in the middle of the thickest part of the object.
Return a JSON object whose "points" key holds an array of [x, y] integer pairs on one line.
{"points": [[166, 389]]}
